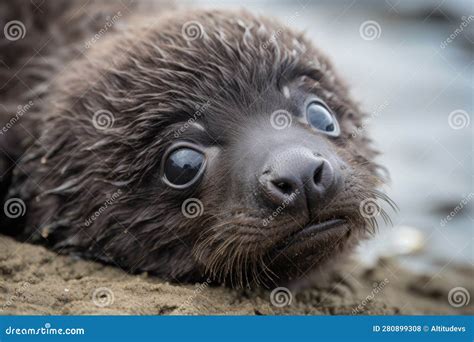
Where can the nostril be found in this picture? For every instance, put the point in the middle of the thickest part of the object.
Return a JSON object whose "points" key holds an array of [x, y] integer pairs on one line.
{"points": [[318, 174], [284, 186]]}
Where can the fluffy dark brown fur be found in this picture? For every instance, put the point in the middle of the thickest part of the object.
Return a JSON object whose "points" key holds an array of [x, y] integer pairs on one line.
{"points": [[152, 78]]}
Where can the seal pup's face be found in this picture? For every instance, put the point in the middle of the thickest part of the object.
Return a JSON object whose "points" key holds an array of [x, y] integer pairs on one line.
{"points": [[236, 149]]}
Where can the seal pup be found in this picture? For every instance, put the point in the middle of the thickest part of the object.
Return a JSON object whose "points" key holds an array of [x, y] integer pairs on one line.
{"points": [[203, 144]]}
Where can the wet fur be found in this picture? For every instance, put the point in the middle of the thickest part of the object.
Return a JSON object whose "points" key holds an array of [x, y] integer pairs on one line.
{"points": [[152, 79]]}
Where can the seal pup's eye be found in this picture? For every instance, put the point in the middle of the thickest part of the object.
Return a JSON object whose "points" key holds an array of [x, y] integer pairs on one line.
{"points": [[321, 118], [183, 166]]}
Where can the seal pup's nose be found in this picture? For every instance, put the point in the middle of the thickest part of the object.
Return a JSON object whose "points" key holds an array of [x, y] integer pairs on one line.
{"points": [[298, 179]]}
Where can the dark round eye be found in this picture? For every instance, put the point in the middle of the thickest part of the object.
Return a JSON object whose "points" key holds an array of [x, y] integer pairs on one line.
{"points": [[183, 167], [321, 118]]}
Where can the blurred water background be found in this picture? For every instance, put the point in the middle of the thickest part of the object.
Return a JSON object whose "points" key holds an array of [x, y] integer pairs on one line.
{"points": [[410, 65]]}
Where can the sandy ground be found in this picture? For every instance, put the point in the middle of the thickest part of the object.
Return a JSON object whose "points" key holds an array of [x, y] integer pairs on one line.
{"points": [[35, 280]]}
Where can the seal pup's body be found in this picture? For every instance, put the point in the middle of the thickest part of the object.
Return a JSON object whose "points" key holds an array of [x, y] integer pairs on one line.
{"points": [[191, 175]]}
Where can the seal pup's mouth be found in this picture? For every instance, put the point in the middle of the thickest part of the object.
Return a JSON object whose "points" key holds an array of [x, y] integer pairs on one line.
{"points": [[313, 229], [302, 241]]}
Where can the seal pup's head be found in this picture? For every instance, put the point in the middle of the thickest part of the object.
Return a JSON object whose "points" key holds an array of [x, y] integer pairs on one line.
{"points": [[204, 144]]}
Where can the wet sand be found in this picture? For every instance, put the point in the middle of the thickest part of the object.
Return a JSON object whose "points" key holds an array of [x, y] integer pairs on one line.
{"points": [[34, 280]]}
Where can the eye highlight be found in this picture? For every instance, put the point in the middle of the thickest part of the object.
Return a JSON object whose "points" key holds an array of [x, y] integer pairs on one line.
{"points": [[183, 165], [319, 116]]}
